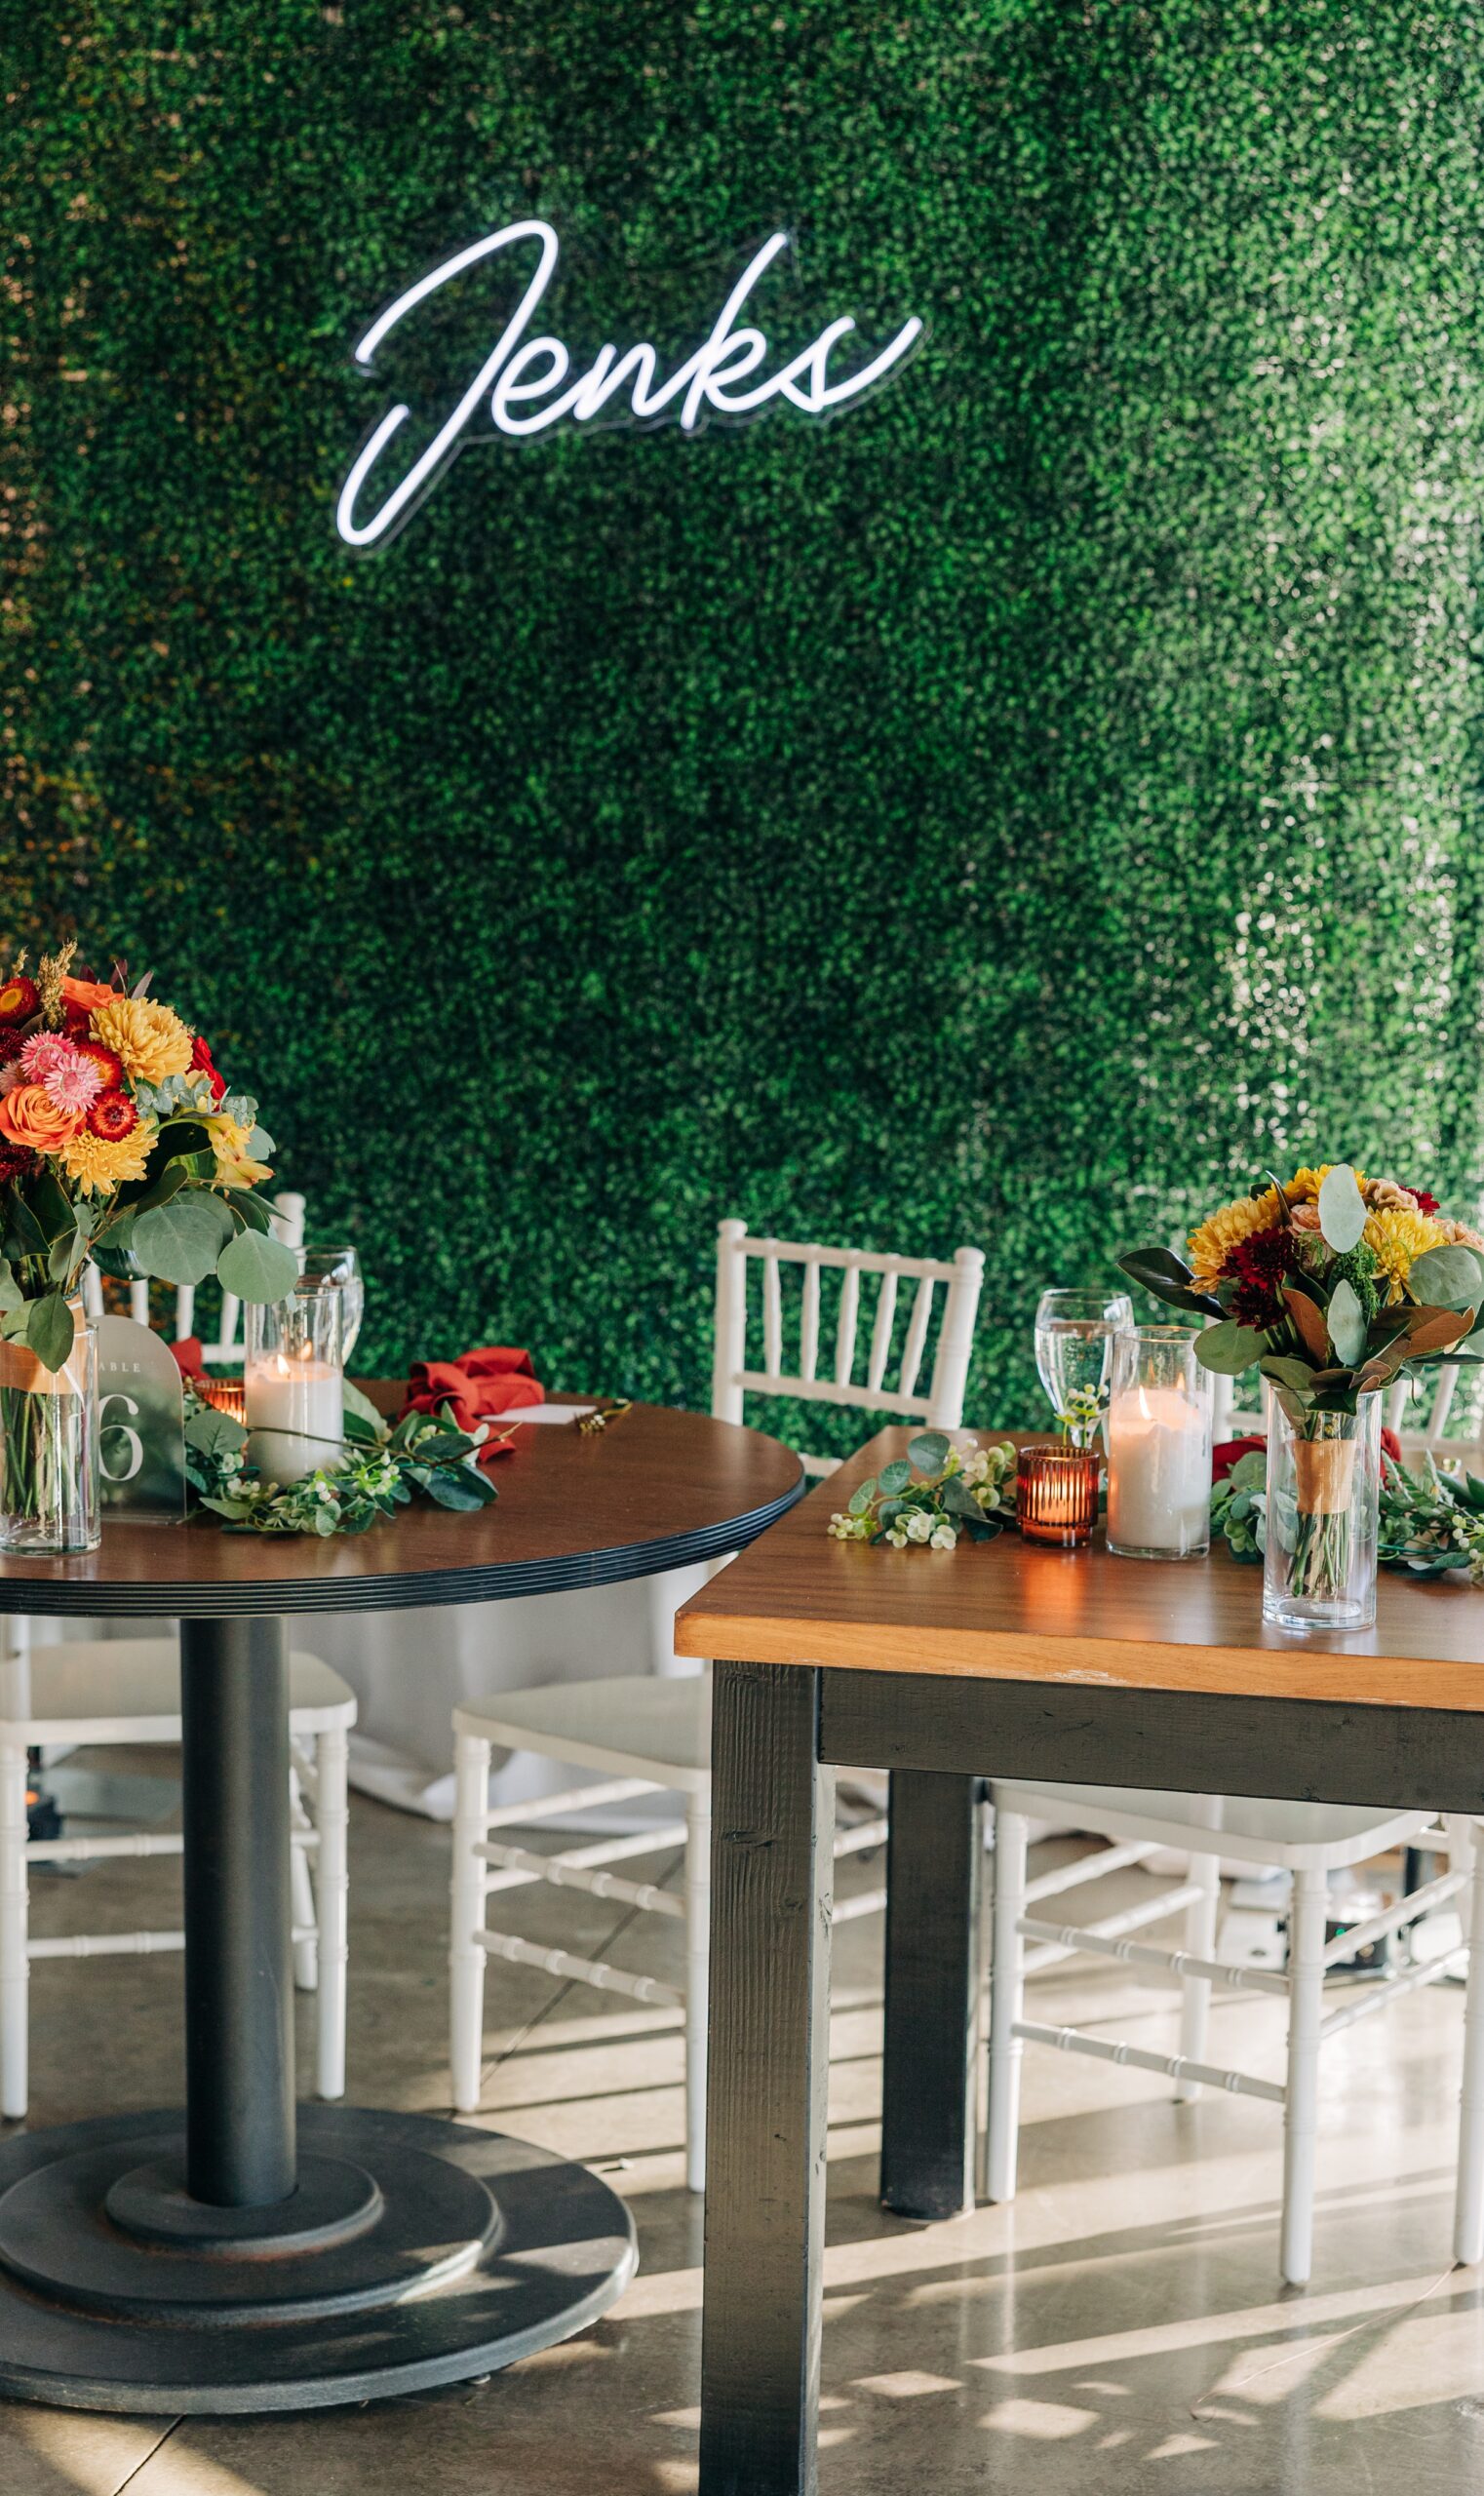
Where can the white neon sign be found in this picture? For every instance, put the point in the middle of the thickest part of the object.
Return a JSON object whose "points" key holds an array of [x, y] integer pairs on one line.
{"points": [[525, 383]]}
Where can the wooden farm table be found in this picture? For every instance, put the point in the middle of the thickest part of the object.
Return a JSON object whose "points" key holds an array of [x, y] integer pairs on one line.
{"points": [[1005, 1659], [243, 2254]]}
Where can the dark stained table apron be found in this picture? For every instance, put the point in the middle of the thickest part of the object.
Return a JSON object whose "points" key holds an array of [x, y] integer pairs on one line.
{"points": [[247, 2254]]}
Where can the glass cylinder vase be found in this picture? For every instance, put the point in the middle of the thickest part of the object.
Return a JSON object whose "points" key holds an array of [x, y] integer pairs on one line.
{"points": [[49, 1474], [1158, 1446], [1323, 1518], [292, 1377]]}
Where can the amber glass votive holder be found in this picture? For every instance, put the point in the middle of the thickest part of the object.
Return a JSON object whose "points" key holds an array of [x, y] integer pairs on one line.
{"points": [[226, 1394], [1056, 1494]]}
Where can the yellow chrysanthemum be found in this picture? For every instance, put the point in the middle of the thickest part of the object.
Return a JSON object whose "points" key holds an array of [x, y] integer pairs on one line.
{"points": [[1213, 1242], [230, 1139], [1396, 1239], [1303, 1186], [150, 1040], [96, 1166]]}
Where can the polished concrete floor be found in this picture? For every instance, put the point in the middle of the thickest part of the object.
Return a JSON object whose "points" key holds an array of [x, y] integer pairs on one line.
{"points": [[1119, 2329]]}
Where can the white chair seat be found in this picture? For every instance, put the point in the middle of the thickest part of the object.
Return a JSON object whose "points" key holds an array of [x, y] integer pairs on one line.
{"points": [[634, 1725], [79, 1691], [1318, 1835]]}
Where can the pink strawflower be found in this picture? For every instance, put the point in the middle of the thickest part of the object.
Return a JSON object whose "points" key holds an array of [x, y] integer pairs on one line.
{"points": [[70, 1080]]}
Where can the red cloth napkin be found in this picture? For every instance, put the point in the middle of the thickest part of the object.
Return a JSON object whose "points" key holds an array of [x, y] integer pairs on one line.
{"points": [[494, 1379], [188, 1357]]}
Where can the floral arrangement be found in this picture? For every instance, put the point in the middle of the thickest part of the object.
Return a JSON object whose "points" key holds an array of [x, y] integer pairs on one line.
{"points": [[384, 1468], [121, 1143], [1330, 1285], [1431, 1522], [936, 1492]]}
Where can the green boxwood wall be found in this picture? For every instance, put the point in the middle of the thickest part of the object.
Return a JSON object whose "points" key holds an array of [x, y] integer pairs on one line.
{"points": [[1006, 814]]}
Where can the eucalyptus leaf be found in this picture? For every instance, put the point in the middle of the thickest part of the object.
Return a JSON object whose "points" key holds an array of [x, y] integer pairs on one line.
{"points": [[861, 1496], [960, 1499], [182, 1239], [49, 1330], [214, 1432], [254, 1266], [1447, 1278], [896, 1475], [1347, 1323], [1342, 1209], [457, 1487], [1228, 1348], [929, 1451]]}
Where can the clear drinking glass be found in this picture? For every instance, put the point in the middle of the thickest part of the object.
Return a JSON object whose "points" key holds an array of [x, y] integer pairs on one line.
{"points": [[1159, 1446], [1323, 1518], [293, 1381], [341, 1265], [1074, 1333], [49, 1477]]}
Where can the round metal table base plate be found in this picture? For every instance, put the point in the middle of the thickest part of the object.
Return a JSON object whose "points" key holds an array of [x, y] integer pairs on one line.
{"points": [[416, 2252]]}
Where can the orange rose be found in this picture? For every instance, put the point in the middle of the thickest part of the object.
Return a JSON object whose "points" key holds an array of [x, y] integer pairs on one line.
{"points": [[87, 993], [29, 1117]]}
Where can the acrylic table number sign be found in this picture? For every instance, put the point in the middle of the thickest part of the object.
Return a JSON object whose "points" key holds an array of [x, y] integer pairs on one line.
{"points": [[141, 1422]]}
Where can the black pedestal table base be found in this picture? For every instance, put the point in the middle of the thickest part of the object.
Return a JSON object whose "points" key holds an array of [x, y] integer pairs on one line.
{"points": [[413, 2252], [247, 2254]]}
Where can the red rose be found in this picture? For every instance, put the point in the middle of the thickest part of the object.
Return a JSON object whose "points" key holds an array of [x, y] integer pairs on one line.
{"points": [[201, 1064], [19, 999], [113, 1116], [1229, 1453]]}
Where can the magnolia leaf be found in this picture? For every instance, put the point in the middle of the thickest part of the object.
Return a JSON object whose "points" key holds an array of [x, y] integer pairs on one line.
{"points": [[10, 1289], [49, 1330], [1309, 1317], [24, 1235], [1229, 1348], [1439, 1328], [254, 1266], [1347, 1322], [1342, 1209], [51, 1205], [1165, 1276], [182, 1239], [1447, 1278], [929, 1451], [1295, 1375]]}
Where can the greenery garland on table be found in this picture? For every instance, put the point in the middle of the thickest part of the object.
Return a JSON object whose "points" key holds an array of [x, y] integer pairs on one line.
{"points": [[385, 1465], [1431, 1522], [958, 1490]]}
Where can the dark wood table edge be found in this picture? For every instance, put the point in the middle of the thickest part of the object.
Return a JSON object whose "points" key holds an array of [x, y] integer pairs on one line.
{"points": [[179, 1600]]}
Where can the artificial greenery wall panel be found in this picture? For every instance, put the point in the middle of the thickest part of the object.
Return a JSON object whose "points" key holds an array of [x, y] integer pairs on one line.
{"points": [[1006, 813]]}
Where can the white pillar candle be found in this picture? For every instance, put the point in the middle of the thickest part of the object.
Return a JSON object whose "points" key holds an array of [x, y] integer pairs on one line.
{"points": [[296, 1415], [1158, 1472]]}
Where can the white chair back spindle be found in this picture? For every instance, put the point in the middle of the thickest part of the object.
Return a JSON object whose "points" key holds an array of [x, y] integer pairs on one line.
{"points": [[889, 1385]]}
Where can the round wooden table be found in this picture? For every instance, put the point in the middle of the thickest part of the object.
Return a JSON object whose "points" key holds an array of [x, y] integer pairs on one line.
{"points": [[246, 2255]]}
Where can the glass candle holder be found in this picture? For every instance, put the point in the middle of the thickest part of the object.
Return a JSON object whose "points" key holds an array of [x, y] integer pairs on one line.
{"points": [[292, 1380], [1158, 1446], [1056, 1494]]}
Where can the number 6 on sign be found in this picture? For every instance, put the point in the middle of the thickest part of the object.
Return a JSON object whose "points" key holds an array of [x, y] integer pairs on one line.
{"points": [[142, 1421]]}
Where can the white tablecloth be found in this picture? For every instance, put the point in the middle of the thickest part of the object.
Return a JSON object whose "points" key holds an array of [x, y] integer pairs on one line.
{"points": [[411, 1669]]}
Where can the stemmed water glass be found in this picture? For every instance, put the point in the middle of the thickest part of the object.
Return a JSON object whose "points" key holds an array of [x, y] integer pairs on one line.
{"points": [[340, 1266], [1075, 1334]]}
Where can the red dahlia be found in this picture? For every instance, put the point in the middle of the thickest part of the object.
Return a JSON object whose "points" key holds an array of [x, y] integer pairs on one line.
{"points": [[113, 1116], [1424, 1203], [14, 1162], [1260, 1262], [201, 1064], [10, 1045], [109, 1066], [19, 999]]}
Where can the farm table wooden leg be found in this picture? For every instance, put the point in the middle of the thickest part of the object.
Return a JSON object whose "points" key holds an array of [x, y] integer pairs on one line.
{"points": [[772, 1885], [930, 2068]]}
